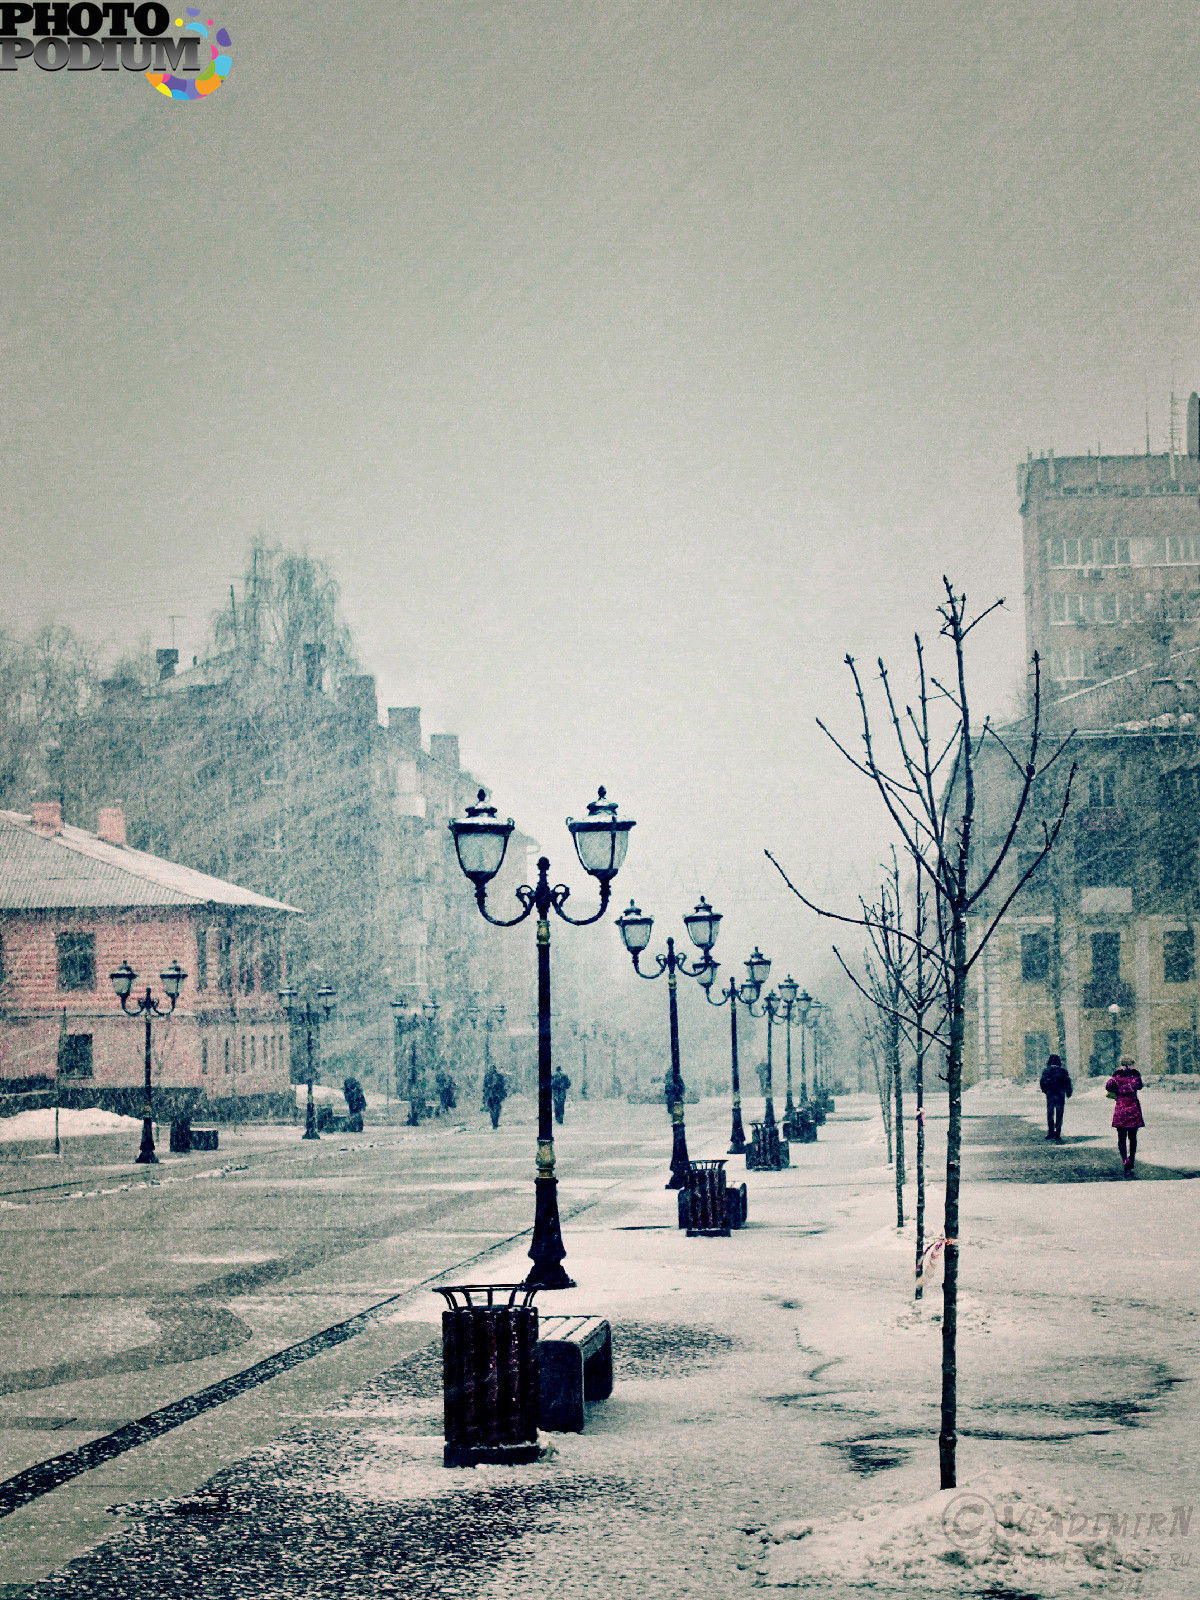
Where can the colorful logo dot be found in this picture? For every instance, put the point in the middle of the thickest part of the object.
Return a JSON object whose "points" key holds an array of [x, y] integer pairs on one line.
{"points": [[216, 70]]}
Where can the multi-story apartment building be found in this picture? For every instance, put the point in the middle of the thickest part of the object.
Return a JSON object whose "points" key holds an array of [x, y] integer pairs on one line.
{"points": [[1112, 558]]}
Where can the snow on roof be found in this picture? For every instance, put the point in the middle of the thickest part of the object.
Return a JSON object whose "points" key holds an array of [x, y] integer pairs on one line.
{"points": [[42, 871]]}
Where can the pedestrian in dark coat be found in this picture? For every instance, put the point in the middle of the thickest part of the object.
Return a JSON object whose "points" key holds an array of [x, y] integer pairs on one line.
{"points": [[1127, 1117], [495, 1092], [559, 1084], [1055, 1084]]}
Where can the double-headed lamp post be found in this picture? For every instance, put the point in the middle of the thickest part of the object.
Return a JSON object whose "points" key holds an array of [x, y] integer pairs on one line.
{"points": [[758, 967], [702, 925], [601, 840], [123, 980], [310, 1016], [788, 991]]}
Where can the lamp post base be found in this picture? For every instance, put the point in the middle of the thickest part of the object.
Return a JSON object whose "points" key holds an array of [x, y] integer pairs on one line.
{"points": [[737, 1134], [146, 1156], [547, 1249], [679, 1158]]}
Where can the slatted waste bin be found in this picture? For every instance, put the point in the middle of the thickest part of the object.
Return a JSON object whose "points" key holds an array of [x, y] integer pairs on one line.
{"points": [[490, 1373], [767, 1152], [707, 1213]]}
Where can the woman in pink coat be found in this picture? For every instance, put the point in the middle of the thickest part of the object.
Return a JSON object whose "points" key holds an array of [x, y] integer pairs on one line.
{"points": [[1123, 1087]]}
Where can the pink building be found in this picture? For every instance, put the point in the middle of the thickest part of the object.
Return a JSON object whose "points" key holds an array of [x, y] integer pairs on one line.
{"points": [[73, 906]]}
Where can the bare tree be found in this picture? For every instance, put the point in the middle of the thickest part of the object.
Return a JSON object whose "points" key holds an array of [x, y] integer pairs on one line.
{"points": [[929, 793]]}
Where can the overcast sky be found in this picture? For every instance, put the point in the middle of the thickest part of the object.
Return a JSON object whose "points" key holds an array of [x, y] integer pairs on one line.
{"points": [[630, 362]]}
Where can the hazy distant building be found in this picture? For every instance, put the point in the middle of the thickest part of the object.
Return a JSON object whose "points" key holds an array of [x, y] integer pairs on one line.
{"points": [[289, 783], [1112, 558]]}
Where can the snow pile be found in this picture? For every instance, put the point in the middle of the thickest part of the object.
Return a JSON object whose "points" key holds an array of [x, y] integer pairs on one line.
{"points": [[39, 1124], [999, 1536]]}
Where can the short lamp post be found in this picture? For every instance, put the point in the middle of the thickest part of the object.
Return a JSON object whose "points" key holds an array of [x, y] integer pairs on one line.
{"points": [[702, 925], [310, 1015], [601, 840], [123, 980], [758, 967]]}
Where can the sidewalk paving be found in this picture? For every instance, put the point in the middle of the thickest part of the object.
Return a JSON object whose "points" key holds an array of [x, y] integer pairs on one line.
{"points": [[764, 1383]]}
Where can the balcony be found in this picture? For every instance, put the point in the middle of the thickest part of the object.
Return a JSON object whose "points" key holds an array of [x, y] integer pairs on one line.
{"points": [[1100, 993]]}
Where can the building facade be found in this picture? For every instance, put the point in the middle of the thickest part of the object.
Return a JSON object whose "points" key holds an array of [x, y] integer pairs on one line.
{"points": [[1097, 956], [293, 784], [73, 906], [1111, 558]]}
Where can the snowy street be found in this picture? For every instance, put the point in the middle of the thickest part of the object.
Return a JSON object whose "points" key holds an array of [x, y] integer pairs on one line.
{"points": [[765, 1383]]}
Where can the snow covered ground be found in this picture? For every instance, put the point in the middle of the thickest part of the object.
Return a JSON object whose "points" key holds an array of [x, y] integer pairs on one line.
{"points": [[774, 1422]]}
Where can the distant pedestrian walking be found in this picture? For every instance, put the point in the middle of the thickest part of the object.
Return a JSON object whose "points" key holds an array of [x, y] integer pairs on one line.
{"points": [[1055, 1084], [356, 1104], [447, 1091], [1127, 1118], [559, 1084], [495, 1092]]}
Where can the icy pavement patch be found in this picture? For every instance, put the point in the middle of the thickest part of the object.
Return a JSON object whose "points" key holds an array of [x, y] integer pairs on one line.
{"points": [[1001, 1536], [39, 1124]]}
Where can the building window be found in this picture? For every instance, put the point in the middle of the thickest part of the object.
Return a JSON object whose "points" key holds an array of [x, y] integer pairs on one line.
{"points": [[1035, 956], [1106, 957], [204, 1055], [2, 972], [225, 960], [227, 1055], [75, 1056], [1037, 1048], [243, 1052], [1179, 964], [1176, 549], [269, 960], [1181, 1050], [1068, 666], [76, 960], [1087, 552], [202, 958], [246, 963], [1102, 789], [253, 1051]]}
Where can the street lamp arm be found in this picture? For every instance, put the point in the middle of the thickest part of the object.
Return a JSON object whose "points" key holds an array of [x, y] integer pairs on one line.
{"points": [[692, 971], [660, 961], [146, 1004], [560, 894], [726, 995], [526, 896]]}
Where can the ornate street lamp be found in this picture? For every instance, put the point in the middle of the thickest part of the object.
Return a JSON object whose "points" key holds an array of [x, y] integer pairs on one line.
{"points": [[601, 840], [747, 992], [788, 990], [123, 980], [702, 925], [310, 1016]]}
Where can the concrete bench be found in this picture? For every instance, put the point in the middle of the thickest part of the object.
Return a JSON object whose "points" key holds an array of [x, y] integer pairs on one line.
{"points": [[574, 1366]]}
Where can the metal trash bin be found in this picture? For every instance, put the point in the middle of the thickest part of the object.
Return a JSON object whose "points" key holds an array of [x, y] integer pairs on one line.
{"points": [[767, 1152], [489, 1374], [707, 1213]]}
